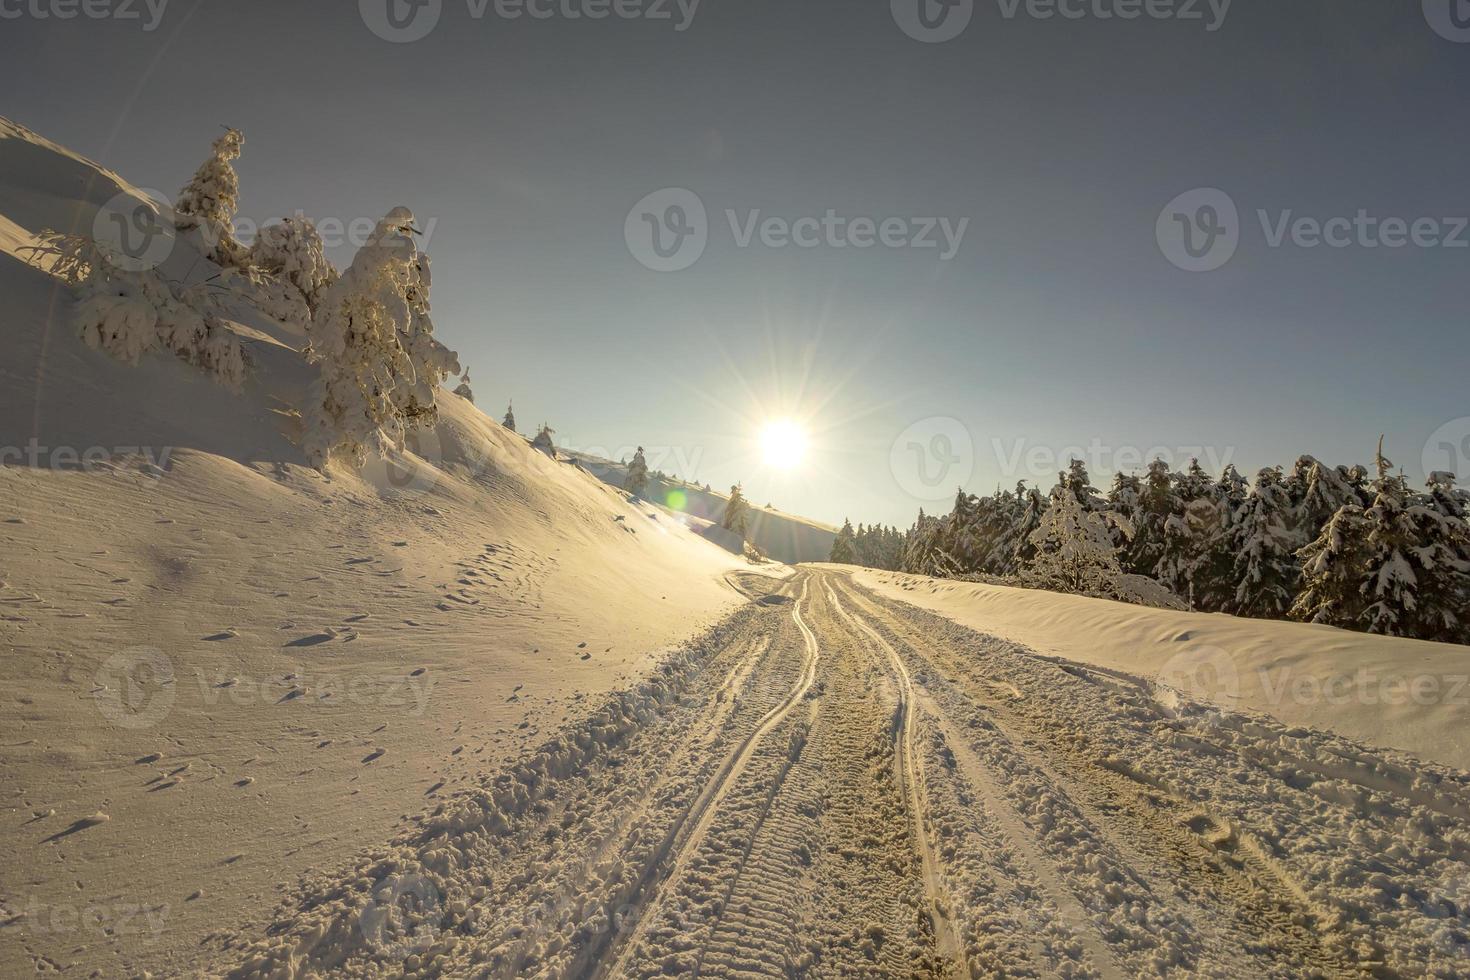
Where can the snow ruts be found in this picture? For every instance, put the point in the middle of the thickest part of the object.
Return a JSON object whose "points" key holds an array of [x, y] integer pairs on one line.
{"points": [[832, 784]]}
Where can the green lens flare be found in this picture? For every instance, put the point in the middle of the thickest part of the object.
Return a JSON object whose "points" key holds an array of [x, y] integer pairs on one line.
{"points": [[676, 499]]}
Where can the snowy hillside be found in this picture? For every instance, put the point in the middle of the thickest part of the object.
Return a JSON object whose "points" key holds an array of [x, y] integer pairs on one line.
{"points": [[783, 537], [300, 634]]}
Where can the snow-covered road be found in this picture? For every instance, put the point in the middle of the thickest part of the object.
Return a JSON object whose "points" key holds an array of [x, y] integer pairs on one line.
{"points": [[833, 783]]}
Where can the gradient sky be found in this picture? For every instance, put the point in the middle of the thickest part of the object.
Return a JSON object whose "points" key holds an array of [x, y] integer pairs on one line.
{"points": [[1059, 322]]}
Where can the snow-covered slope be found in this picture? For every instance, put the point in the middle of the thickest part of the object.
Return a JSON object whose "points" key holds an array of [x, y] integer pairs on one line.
{"points": [[784, 537], [1384, 691], [222, 668]]}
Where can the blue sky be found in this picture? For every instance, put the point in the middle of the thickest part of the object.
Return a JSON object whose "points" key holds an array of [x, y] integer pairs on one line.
{"points": [[1058, 323]]}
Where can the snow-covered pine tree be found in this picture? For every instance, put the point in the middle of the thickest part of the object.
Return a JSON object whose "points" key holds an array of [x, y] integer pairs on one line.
{"points": [[1077, 482], [1393, 568], [1125, 498], [1265, 548], [1074, 547], [464, 390], [843, 550], [1444, 592], [430, 363], [1397, 564], [373, 340], [920, 546], [737, 512], [510, 416], [1031, 511], [211, 198], [1158, 503], [637, 479], [543, 440], [1334, 569], [292, 249]]}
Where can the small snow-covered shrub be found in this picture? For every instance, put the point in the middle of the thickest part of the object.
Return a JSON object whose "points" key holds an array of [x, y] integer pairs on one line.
{"points": [[118, 317], [127, 313]]}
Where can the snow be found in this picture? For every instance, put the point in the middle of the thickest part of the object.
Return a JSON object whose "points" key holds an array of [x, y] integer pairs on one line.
{"points": [[467, 710], [1301, 674], [338, 644]]}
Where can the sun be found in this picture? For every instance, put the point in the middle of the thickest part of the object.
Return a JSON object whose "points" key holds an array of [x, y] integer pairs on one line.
{"points": [[783, 444]]}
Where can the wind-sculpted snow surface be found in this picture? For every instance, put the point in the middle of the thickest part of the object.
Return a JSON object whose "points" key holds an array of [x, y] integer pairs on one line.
{"points": [[836, 784]]}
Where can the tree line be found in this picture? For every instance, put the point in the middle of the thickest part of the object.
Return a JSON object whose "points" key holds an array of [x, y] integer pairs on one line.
{"points": [[1342, 546]]}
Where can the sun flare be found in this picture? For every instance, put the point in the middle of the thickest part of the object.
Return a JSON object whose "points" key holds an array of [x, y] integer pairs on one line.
{"points": [[783, 444]]}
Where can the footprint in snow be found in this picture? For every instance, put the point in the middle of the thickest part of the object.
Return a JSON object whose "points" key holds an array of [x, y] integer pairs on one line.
{"points": [[374, 755], [313, 639], [227, 634], [79, 825]]}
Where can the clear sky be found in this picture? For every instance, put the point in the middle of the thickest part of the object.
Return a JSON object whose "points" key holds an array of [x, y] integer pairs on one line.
{"points": [[522, 144]]}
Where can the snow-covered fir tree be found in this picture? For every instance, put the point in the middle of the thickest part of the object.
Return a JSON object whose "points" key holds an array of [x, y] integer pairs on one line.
{"points": [[1158, 504], [636, 480], [510, 416], [1319, 491], [843, 550], [373, 340], [1074, 546], [737, 512], [463, 389], [430, 362], [212, 197], [1394, 567], [1265, 546], [1078, 483], [1334, 570], [292, 249], [543, 440]]}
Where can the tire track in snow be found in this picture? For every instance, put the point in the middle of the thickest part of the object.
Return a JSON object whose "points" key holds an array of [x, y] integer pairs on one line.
{"points": [[707, 805], [1148, 826], [911, 774]]}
